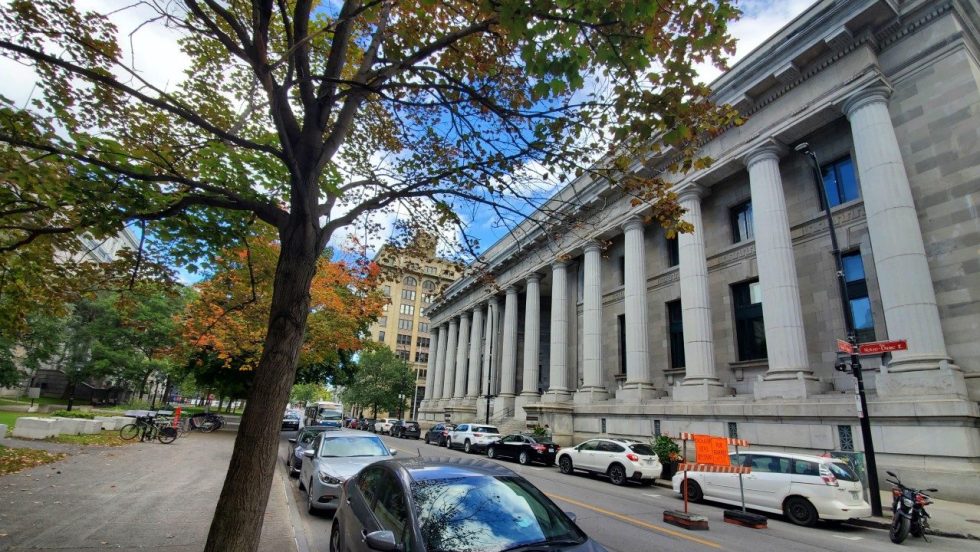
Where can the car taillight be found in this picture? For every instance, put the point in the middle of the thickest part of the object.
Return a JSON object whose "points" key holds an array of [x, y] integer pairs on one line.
{"points": [[445, 433], [632, 457], [827, 477], [539, 448], [478, 435]]}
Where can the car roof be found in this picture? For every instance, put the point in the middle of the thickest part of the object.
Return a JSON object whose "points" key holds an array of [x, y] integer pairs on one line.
{"points": [[794, 455], [339, 432], [428, 468]]}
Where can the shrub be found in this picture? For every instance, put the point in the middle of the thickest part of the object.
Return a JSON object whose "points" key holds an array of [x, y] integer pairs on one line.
{"points": [[666, 449], [73, 414]]}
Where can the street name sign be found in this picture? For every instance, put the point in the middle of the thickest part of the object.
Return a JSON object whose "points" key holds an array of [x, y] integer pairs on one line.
{"points": [[844, 347], [879, 347]]}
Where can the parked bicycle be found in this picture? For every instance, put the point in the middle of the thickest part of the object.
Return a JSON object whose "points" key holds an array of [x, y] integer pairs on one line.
{"points": [[148, 429], [206, 422]]}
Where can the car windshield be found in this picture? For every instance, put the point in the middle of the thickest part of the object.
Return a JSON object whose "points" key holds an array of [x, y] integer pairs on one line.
{"points": [[842, 471], [331, 415], [292, 415], [353, 446], [484, 429], [307, 437], [487, 513], [642, 449]]}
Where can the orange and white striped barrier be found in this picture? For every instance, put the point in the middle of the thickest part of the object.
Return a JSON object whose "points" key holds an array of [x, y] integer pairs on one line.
{"points": [[712, 468]]}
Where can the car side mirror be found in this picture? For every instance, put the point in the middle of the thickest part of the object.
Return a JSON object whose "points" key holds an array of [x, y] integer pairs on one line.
{"points": [[393, 452], [571, 516], [381, 540], [293, 441], [309, 453]]}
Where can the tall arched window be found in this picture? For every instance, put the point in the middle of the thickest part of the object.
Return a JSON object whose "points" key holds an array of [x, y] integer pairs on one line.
{"points": [[428, 285], [410, 281]]}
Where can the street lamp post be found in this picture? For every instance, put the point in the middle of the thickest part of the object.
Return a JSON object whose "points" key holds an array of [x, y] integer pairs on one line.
{"points": [[855, 359]]}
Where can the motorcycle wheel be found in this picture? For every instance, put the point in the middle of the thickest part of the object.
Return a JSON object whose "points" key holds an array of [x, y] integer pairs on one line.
{"points": [[916, 530], [900, 529]]}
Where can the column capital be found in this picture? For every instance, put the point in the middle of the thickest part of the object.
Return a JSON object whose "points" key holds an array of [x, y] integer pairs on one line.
{"points": [[769, 149], [633, 223], [512, 290], [876, 94], [691, 192], [559, 265], [533, 277], [464, 314], [591, 245]]}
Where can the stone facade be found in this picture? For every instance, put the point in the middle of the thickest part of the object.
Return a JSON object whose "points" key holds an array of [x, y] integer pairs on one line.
{"points": [[887, 96]]}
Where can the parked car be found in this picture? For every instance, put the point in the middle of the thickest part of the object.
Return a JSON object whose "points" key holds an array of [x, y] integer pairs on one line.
{"points": [[333, 457], [366, 424], [383, 425], [290, 421], [622, 460], [804, 488], [300, 443], [407, 429], [472, 437], [438, 434], [456, 504], [524, 448]]}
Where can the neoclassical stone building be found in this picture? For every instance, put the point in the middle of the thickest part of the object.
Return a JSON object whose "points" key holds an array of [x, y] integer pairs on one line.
{"points": [[731, 330]]}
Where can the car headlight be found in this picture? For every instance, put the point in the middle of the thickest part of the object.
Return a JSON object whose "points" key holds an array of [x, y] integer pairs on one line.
{"points": [[328, 479]]}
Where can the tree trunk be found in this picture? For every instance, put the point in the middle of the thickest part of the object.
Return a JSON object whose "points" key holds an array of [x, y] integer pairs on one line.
{"points": [[237, 523]]}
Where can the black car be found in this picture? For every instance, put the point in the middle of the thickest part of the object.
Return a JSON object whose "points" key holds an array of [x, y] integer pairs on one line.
{"points": [[290, 421], [366, 424], [450, 504], [438, 434], [406, 429], [524, 448], [294, 452]]}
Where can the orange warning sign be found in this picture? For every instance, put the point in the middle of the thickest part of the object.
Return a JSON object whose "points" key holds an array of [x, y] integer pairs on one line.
{"points": [[711, 450]]}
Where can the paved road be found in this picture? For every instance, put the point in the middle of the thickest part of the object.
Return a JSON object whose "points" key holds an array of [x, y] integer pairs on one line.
{"points": [[145, 496], [630, 519]]}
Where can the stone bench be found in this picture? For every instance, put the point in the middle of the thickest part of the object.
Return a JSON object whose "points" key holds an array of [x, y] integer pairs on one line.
{"points": [[70, 426], [35, 428], [113, 423], [91, 427], [3, 430]]}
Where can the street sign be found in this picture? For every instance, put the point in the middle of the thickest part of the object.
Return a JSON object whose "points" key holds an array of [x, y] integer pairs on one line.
{"points": [[844, 347], [879, 347]]}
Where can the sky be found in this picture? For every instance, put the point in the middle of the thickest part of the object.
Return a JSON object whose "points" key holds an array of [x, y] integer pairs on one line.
{"points": [[160, 60]]}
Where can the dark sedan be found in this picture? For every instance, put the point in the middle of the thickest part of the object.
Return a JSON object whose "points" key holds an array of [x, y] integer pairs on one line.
{"points": [[290, 421], [365, 424], [406, 429], [294, 453], [524, 448], [438, 434], [456, 504]]}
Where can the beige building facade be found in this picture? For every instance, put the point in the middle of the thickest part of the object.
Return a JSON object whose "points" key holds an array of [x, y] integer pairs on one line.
{"points": [[731, 330], [411, 282]]}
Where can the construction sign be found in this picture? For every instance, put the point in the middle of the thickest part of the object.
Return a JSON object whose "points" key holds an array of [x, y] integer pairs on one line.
{"points": [[711, 454]]}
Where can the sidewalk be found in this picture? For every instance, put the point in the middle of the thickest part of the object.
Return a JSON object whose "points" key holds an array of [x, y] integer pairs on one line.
{"points": [[948, 519], [144, 496]]}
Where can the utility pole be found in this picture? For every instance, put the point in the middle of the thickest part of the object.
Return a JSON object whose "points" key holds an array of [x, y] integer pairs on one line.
{"points": [[855, 359]]}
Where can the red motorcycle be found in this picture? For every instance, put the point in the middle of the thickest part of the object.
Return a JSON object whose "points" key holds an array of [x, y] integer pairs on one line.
{"points": [[909, 514]]}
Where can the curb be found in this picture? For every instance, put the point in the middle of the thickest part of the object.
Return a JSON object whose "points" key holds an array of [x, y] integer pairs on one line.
{"points": [[874, 523]]}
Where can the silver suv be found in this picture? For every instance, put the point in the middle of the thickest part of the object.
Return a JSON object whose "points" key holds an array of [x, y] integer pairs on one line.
{"points": [[472, 437]]}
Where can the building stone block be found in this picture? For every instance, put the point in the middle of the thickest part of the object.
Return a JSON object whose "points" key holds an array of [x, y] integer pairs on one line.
{"points": [[3, 430], [91, 427], [35, 428], [69, 426]]}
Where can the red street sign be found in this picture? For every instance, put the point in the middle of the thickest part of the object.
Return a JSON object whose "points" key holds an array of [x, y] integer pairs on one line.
{"points": [[844, 346], [879, 347]]}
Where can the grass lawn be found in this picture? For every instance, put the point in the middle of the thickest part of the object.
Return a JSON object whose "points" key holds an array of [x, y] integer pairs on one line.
{"points": [[13, 460], [104, 439]]}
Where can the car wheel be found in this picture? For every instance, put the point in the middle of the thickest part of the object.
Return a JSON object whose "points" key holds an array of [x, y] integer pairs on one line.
{"points": [[302, 487], [335, 536], [617, 474], [491, 452], [565, 465], [427, 439], [522, 458], [694, 492], [800, 511], [309, 499], [466, 447], [449, 443]]}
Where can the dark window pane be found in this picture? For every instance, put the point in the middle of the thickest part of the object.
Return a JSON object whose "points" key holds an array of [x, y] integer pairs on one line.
{"points": [[845, 177], [673, 253], [621, 326], [853, 268], [830, 185], [742, 222], [676, 334], [749, 326], [861, 310]]}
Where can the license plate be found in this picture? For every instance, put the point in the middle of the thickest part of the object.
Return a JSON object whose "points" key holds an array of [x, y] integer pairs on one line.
{"points": [[855, 495], [551, 450]]}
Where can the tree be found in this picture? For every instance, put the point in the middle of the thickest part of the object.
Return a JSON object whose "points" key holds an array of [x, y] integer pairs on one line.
{"points": [[380, 378], [310, 392], [310, 116]]}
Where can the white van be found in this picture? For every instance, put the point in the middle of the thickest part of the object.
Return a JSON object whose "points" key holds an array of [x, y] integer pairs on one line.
{"points": [[804, 488]]}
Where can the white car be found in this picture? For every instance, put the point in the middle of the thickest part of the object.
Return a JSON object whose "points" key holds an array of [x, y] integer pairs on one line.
{"points": [[803, 487], [621, 459], [384, 425], [472, 437]]}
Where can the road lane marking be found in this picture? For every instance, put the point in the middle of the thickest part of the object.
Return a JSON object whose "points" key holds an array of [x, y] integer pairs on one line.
{"points": [[849, 538], [651, 494], [643, 524]]}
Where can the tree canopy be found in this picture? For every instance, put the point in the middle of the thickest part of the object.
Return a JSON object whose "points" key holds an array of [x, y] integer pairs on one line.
{"points": [[309, 116]]}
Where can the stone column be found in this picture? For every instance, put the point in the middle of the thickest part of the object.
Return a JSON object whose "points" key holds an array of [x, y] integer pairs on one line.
{"points": [[907, 295], [700, 378], [462, 349], [440, 363], [532, 344], [789, 374], [450, 379], [473, 379], [430, 367], [593, 388], [558, 390], [508, 353], [639, 383], [490, 353]]}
